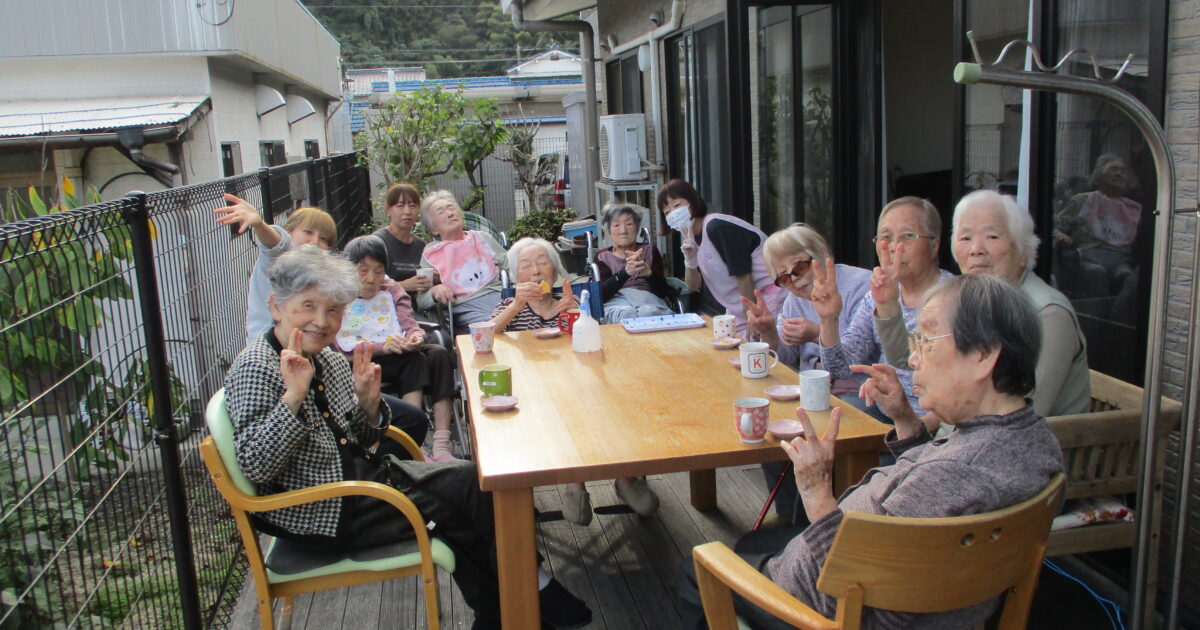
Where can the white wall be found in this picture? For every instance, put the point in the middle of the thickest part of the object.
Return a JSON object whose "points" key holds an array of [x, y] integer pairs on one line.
{"points": [[78, 77]]}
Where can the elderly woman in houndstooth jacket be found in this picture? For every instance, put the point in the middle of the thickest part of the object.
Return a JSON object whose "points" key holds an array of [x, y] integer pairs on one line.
{"points": [[302, 416]]}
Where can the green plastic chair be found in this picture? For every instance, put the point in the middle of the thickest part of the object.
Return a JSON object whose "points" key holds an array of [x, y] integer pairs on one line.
{"points": [[284, 569]]}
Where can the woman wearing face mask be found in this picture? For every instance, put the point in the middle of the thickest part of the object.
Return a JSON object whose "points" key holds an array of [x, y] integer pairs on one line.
{"points": [[723, 251]]}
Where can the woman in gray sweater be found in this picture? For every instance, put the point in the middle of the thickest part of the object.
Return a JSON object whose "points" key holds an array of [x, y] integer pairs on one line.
{"points": [[974, 354]]}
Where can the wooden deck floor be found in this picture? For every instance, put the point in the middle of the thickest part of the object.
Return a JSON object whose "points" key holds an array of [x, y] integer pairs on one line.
{"points": [[625, 567]]}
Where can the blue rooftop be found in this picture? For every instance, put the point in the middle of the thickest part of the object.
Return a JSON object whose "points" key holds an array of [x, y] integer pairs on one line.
{"points": [[474, 82]]}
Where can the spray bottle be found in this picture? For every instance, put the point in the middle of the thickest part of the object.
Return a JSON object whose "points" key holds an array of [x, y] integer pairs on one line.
{"points": [[585, 336]]}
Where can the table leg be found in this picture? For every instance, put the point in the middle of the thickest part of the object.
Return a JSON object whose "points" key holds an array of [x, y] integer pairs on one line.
{"points": [[704, 489], [516, 557], [849, 468]]}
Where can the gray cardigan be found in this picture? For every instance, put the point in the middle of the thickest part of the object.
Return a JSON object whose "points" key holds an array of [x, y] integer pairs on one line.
{"points": [[990, 462]]}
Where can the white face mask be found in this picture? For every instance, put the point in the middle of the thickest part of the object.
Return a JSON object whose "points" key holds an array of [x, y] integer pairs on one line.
{"points": [[678, 218]]}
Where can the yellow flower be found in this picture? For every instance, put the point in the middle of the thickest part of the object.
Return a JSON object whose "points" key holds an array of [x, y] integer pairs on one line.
{"points": [[67, 186]]}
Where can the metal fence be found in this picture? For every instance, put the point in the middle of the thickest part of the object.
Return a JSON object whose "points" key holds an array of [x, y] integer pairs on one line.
{"points": [[117, 323]]}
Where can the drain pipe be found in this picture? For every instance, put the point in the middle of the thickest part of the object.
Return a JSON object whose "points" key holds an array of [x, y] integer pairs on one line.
{"points": [[591, 114], [652, 38]]}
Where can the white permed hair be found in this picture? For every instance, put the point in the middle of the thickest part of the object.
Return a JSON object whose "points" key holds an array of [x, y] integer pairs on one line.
{"points": [[1020, 224], [309, 267], [514, 254]]}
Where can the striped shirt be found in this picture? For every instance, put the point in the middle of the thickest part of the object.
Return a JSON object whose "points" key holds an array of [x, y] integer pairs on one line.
{"points": [[525, 319]]}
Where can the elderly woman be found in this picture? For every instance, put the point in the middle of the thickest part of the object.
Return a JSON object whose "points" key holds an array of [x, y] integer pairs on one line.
{"points": [[722, 251], [382, 318], [1102, 226], [534, 307], [468, 262], [632, 283], [974, 355], [907, 245], [790, 253], [303, 415], [404, 248], [994, 236]]}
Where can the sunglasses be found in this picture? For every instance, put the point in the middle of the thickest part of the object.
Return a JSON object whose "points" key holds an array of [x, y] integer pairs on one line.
{"points": [[799, 270]]}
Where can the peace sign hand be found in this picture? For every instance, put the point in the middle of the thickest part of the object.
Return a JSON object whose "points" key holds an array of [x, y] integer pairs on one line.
{"points": [[297, 371], [812, 457], [885, 286], [367, 379], [883, 390], [826, 298], [758, 316]]}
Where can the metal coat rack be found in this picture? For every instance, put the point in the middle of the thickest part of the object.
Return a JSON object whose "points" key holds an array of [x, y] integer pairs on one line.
{"points": [[1047, 79]]}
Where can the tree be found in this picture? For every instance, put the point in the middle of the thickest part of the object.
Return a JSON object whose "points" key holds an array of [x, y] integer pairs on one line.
{"points": [[411, 139], [530, 171], [478, 136]]}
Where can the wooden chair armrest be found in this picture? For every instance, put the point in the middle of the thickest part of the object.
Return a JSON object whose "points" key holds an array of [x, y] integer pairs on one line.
{"points": [[403, 439], [719, 569]]}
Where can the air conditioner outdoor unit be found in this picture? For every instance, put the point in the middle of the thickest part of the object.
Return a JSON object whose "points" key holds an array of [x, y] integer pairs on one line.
{"points": [[622, 145]]}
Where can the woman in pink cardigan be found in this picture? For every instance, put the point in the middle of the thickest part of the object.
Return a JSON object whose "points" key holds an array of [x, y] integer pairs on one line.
{"points": [[382, 316]]}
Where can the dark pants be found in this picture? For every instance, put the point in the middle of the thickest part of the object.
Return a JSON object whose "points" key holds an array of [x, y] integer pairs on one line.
{"points": [[756, 548], [409, 419], [429, 370]]}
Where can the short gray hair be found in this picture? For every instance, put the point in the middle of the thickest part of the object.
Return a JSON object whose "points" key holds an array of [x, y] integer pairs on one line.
{"points": [[514, 253], [369, 246], [1020, 224], [614, 210], [428, 201], [797, 238], [309, 267], [929, 213], [987, 313]]}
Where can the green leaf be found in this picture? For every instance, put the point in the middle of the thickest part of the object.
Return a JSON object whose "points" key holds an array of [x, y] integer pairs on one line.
{"points": [[35, 202]]}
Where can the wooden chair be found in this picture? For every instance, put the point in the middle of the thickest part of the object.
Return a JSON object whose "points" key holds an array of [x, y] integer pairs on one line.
{"points": [[918, 565], [1100, 456], [315, 571]]}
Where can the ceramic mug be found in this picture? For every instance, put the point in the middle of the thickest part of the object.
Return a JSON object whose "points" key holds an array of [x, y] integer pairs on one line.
{"points": [[750, 417], [482, 336], [754, 357], [814, 390], [495, 380], [566, 321], [724, 326]]}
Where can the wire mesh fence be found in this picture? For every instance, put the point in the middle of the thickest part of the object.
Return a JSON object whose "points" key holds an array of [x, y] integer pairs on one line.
{"points": [[117, 323]]}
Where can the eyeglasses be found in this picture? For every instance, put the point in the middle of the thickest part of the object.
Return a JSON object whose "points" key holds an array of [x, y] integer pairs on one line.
{"points": [[918, 343], [798, 271], [903, 237]]}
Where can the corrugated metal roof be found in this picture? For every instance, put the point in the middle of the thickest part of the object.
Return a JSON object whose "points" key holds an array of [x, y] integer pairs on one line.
{"points": [[361, 80], [45, 116]]}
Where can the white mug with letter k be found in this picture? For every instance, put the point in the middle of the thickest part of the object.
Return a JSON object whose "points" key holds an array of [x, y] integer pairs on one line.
{"points": [[757, 359]]}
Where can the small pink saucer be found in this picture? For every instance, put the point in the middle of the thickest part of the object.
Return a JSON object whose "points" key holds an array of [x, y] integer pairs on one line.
{"points": [[783, 392], [547, 333], [499, 403], [725, 343], [785, 429], [736, 362]]}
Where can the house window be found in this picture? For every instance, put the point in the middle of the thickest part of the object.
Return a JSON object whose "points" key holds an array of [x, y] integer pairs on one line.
{"points": [[623, 79], [231, 158], [698, 112], [272, 153], [312, 149]]}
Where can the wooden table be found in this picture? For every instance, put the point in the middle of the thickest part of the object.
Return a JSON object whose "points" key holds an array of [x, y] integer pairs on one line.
{"points": [[647, 403]]}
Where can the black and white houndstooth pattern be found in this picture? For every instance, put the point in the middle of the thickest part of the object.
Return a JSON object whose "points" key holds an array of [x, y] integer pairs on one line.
{"points": [[279, 451]]}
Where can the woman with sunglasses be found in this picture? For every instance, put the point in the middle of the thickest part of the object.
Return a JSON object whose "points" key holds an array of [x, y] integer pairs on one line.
{"points": [[789, 254]]}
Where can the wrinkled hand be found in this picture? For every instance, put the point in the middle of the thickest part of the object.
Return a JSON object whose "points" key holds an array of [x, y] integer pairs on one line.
{"points": [[883, 390], [812, 457], [417, 283], [799, 330], [367, 379], [758, 317], [885, 286], [413, 342], [394, 345], [525, 292], [442, 293], [826, 298], [239, 212], [634, 264], [297, 371], [568, 301]]}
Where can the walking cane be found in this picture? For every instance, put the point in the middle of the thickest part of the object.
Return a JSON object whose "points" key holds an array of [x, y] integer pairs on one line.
{"points": [[770, 499]]}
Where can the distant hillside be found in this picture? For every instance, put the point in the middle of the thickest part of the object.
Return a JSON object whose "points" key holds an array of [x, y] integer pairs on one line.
{"points": [[450, 38]]}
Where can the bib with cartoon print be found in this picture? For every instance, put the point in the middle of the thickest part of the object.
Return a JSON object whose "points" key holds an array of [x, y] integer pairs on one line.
{"points": [[369, 320], [466, 265]]}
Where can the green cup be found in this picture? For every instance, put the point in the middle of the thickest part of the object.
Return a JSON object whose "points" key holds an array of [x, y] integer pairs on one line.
{"points": [[496, 380]]}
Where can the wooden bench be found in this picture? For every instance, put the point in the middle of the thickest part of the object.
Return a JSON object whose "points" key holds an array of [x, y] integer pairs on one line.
{"points": [[1101, 456]]}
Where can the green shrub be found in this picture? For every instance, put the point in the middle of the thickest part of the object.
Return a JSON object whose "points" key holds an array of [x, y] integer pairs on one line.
{"points": [[545, 224]]}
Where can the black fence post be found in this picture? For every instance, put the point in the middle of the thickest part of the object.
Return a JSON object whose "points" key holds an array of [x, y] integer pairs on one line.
{"points": [[264, 191], [312, 184], [137, 217]]}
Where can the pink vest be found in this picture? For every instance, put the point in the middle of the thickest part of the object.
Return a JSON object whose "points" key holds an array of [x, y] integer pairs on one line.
{"points": [[724, 286]]}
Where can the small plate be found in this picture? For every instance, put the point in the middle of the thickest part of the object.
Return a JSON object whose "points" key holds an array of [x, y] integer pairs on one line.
{"points": [[725, 343], [499, 403], [783, 392], [547, 333], [785, 429], [736, 362]]}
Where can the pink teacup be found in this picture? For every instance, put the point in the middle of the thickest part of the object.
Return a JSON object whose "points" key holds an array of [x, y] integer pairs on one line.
{"points": [[750, 417], [482, 335]]}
